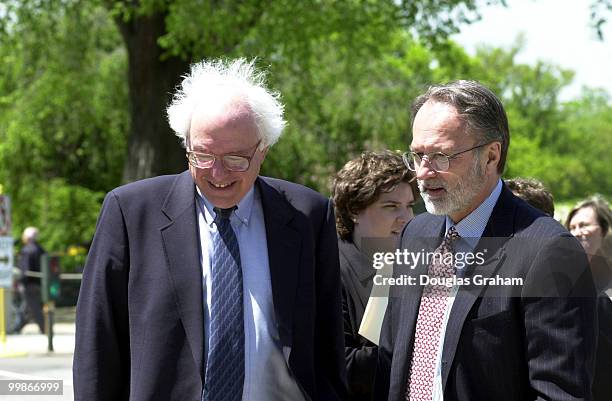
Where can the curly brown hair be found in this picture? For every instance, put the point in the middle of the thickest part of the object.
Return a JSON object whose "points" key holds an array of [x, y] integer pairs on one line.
{"points": [[533, 192], [360, 183]]}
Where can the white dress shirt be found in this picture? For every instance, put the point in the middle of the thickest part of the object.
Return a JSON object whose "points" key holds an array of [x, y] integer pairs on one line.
{"points": [[267, 375]]}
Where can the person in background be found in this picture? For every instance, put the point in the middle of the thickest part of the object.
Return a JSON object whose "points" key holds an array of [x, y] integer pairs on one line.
{"points": [[373, 197], [533, 192], [29, 261], [590, 222]]}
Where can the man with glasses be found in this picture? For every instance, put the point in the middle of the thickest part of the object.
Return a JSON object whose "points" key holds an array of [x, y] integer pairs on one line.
{"points": [[215, 284], [477, 337]]}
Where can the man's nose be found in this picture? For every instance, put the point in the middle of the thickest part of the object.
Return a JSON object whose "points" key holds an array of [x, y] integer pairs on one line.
{"points": [[425, 170], [218, 170]]}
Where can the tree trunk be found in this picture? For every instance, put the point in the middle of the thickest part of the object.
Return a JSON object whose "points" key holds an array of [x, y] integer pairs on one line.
{"points": [[153, 149]]}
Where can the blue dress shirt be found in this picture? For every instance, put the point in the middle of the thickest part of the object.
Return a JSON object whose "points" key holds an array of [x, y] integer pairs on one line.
{"points": [[470, 228], [267, 374]]}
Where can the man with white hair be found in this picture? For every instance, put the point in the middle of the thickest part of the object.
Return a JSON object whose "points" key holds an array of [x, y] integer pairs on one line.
{"points": [[214, 284], [29, 261], [504, 306]]}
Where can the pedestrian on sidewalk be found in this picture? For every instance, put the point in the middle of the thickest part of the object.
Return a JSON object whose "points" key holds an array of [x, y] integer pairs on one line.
{"points": [[29, 261]]}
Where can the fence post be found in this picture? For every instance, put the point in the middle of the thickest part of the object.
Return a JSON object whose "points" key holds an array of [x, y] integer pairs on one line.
{"points": [[49, 305]]}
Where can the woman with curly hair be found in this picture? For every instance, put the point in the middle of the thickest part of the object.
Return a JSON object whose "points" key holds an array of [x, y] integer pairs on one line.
{"points": [[373, 197]]}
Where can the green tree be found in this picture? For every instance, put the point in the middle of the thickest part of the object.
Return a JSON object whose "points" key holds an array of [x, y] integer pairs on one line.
{"points": [[564, 144], [345, 105], [550, 140], [161, 37], [68, 119], [588, 123], [63, 116], [85, 84]]}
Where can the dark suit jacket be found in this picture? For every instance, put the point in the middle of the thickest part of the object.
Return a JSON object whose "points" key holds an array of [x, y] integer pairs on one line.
{"points": [[140, 314], [499, 344], [602, 384], [357, 272], [29, 260]]}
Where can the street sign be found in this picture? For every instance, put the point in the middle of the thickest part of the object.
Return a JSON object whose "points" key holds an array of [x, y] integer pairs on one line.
{"points": [[6, 243], [5, 216], [6, 262]]}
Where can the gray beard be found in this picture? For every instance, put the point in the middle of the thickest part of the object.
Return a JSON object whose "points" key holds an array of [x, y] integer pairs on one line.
{"points": [[458, 198]]}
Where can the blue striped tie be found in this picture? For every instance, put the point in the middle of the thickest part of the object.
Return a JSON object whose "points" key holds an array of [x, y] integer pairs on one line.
{"points": [[225, 364]]}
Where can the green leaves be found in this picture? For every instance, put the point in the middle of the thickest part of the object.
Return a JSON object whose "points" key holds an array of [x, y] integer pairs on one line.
{"points": [[63, 116], [65, 214], [347, 71]]}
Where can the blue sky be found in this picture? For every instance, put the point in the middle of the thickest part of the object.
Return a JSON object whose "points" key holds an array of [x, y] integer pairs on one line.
{"points": [[556, 31]]}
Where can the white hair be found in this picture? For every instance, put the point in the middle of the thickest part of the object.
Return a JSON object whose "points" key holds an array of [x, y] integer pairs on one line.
{"points": [[217, 84], [30, 233]]}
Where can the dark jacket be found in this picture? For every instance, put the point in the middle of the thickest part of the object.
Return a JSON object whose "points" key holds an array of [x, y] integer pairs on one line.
{"points": [[360, 354], [602, 384], [602, 274], [29, 260], [501, 343], [139, 324]]}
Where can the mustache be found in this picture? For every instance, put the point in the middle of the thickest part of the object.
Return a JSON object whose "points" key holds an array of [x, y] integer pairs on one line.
{"points": [[433, 183]]}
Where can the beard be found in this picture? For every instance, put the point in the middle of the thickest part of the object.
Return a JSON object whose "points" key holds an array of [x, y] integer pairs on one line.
{"points": [[459, 197]]}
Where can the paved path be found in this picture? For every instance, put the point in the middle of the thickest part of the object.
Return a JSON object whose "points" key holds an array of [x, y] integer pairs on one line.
{"points": [[25, 356], [39, 367]]}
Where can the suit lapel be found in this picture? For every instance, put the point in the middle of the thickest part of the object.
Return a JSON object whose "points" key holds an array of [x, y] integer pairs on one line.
{"points": [[429, 237], [181, 246], [498, 230], [284, 249]]}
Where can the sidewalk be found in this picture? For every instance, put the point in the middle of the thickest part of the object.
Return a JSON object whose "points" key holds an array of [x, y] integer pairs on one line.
{"points": [[25, 356], [31, 342]]}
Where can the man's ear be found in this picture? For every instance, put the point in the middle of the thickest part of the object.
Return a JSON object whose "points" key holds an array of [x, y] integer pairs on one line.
{"points": [[493, 155]]}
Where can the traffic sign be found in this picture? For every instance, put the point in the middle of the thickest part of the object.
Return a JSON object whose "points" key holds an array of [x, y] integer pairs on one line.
{"points": [[6, 262], [6, 243], [5, 216]]}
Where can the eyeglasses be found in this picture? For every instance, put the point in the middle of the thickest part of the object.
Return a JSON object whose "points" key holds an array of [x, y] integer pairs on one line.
{"points": [[438, 161], [230, 162]]}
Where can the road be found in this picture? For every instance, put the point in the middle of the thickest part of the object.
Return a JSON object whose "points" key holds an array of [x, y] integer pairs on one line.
{"points": [[35, 367], [25, 357]]}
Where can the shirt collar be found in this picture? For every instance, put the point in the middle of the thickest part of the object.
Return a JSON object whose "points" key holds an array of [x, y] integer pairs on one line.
{"points": [[242, 212], [473, 225]]}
